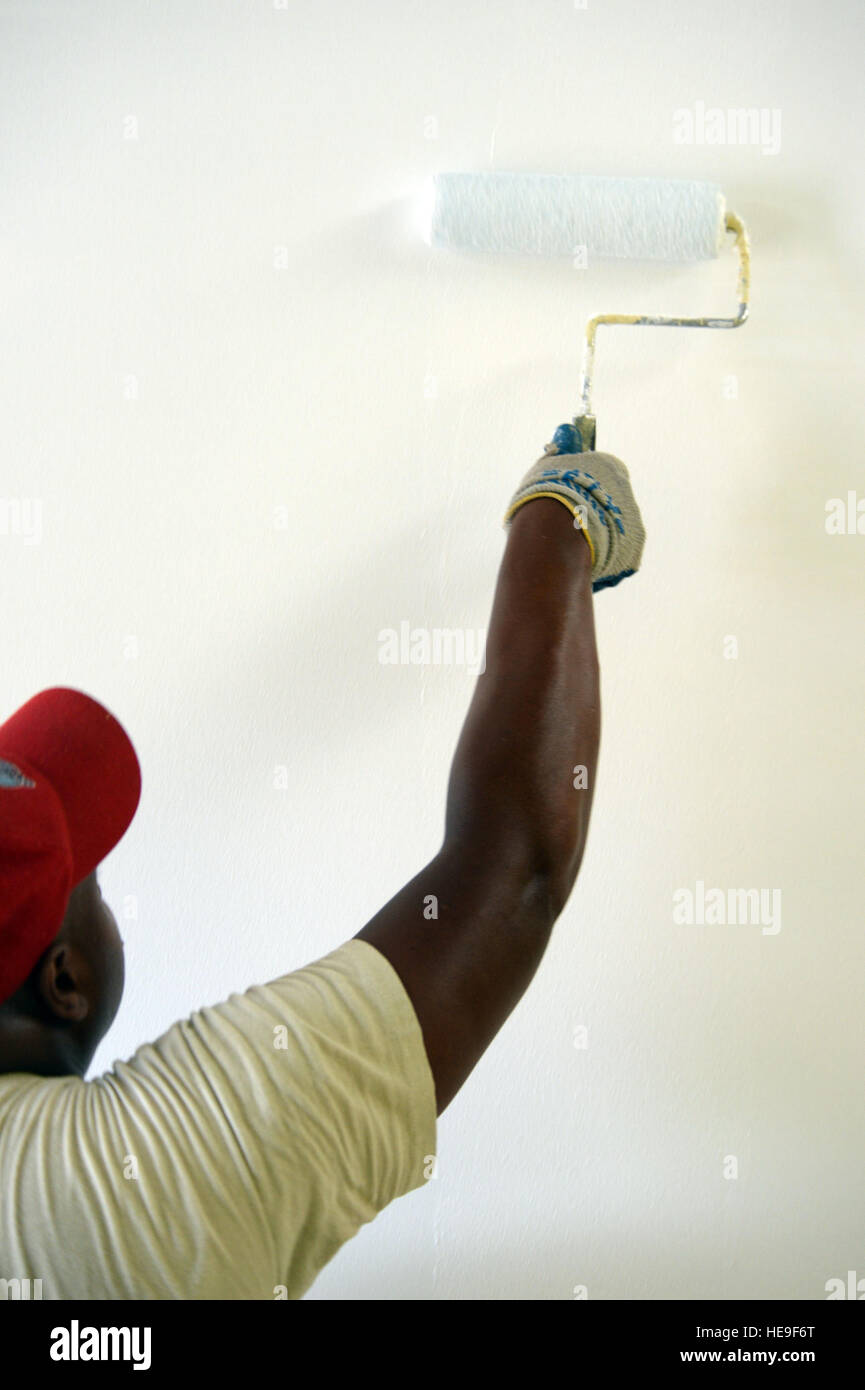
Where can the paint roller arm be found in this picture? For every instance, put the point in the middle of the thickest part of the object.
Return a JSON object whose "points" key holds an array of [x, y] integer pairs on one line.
{"points": [[516, 823]]}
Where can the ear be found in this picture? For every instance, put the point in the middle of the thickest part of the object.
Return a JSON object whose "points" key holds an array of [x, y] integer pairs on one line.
{"points": [[60, 983]]}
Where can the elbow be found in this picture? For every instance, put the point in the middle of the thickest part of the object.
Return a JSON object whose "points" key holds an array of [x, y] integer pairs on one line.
{"points": [[555, 875], [535, 875], [563, 882]]}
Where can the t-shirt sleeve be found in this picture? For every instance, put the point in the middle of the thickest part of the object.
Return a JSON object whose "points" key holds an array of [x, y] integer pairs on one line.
{"points": [[256, 1137]]}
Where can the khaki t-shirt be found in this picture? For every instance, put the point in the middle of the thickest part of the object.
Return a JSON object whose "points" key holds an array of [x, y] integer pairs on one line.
{"points": [[231, 1158]]}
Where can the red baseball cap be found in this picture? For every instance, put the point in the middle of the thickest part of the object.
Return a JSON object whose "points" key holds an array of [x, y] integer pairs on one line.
{"points": [[69, 786]]}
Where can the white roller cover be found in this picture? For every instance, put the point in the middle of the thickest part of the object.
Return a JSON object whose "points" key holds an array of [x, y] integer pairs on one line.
{"points": [[555, 214]]}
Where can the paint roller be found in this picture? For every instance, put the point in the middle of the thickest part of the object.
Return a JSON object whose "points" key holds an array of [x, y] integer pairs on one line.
{"points": [[588, 215]]}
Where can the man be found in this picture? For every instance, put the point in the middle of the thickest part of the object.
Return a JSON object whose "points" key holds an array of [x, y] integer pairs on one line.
{"points": [[235, 1155]]}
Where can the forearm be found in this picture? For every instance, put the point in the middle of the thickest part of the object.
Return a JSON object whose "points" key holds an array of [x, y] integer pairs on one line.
{"points": [[535, 714]]}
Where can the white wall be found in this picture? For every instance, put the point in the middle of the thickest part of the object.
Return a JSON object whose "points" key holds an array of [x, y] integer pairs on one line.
{"points": [[152, 258]]}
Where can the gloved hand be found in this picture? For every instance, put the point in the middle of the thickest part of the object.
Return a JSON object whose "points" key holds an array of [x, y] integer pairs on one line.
{"points": [[596, 489]]}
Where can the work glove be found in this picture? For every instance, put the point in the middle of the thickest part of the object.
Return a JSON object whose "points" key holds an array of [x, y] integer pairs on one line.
{"points": [[596, 489]]}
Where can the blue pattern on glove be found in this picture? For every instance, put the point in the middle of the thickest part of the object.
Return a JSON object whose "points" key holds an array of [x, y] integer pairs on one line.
{"points": [[613, 580], [566, 440]]}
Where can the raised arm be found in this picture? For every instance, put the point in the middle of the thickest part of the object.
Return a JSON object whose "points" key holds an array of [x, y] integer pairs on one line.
{"points": [[516, 824]]}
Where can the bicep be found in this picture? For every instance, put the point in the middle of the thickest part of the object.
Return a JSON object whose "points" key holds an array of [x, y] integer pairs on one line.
{"points": [[465, 936]]}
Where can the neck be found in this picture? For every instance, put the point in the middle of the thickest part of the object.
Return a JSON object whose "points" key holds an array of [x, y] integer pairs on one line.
{"points": [[27, 1046]]}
